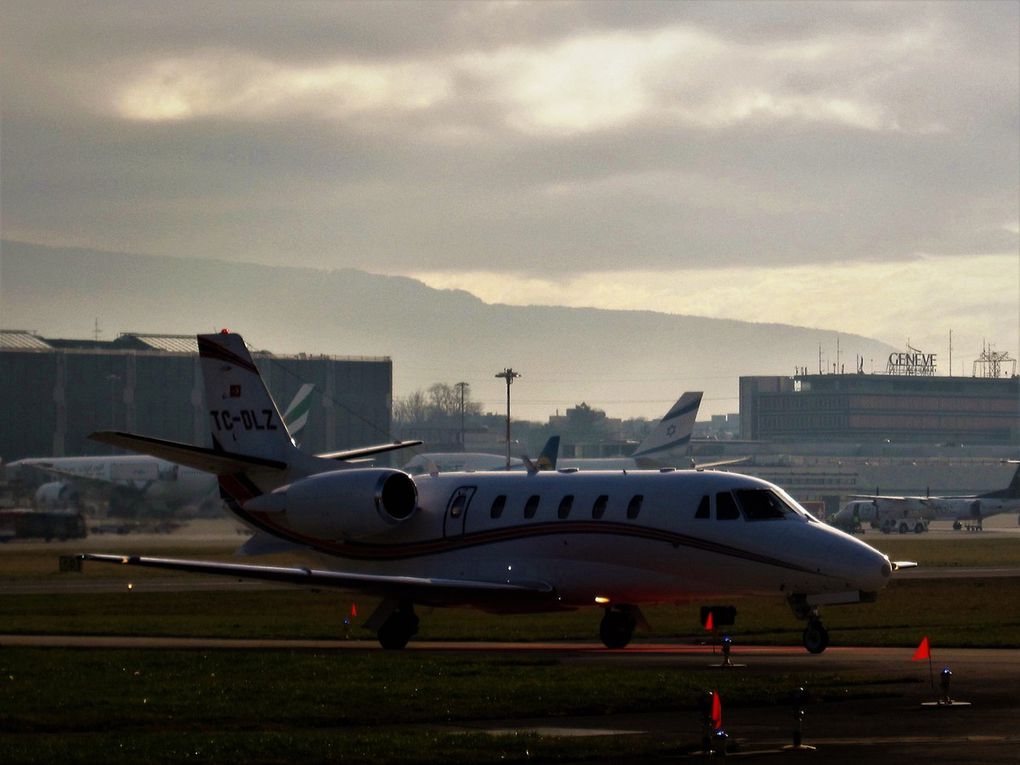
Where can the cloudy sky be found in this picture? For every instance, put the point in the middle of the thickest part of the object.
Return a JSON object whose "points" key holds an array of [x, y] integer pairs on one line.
{"points": [[852, 166]]}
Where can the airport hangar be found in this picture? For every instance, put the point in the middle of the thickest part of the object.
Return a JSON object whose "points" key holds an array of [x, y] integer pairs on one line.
{"points": [[55, 392]]}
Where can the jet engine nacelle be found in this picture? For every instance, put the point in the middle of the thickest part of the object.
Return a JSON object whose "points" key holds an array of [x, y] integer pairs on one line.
{"points": [[343, 504], [55, 495]]}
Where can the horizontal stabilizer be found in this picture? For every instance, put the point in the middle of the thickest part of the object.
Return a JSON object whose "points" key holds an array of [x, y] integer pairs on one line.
{"points": [[365, 451], [198, 457], [419, 589]]}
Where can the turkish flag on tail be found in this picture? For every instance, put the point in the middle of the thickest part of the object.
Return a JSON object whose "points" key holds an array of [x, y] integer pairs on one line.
{"points": [[716, 711], [923, 651]]}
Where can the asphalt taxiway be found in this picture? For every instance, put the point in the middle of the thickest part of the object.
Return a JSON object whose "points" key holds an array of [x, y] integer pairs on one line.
{"points": [[890, 727]]}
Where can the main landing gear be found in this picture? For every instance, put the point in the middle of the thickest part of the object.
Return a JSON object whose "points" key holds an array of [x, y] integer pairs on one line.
{"points": [[398, 628], [617, 627], [816, 637]]}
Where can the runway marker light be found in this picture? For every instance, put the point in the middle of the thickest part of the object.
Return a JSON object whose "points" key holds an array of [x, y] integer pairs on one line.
{"points": [[131, 585], [601, 600], [705, 703], [945, 677]]}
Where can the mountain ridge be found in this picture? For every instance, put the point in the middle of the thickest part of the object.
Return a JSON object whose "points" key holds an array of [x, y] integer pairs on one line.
{"points": [[628, 362]]}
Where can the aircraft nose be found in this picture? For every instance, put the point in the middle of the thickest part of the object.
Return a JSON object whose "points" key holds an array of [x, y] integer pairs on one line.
{"points": [[861, 567], [874, 570]]}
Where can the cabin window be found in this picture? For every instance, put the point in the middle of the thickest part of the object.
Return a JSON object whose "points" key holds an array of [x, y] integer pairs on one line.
{"points": [[634, 506], [761, 505], [726, 507], [703, 511], [599, 508], [531, 506], [497, 506], [565, 504]]}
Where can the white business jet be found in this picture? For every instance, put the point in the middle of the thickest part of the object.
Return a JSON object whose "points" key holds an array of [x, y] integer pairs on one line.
{"points": [[507, 541]]}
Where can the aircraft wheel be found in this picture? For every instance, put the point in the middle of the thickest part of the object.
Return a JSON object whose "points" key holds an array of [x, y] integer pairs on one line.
{"points": [[957, 525], [919, 528], [816, 637], [904, 528], [617, 628], [397, 629]]}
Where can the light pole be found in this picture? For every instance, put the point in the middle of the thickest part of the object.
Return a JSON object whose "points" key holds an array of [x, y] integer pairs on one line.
{"points": [[509, 375], [462, 387]]}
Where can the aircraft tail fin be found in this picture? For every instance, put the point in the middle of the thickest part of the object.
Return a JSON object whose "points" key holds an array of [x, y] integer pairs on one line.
{"points": [[1013, 490], [243, 416], [674, 430], [550, 453], [297, 413]]}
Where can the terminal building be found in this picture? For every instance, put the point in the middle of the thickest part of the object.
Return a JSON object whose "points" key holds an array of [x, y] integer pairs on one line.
{"points": [[829, 437], [55, 392], [871, 408]]}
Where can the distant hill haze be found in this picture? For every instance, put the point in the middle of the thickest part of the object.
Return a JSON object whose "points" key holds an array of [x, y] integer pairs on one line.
{"points": [[629, 363]]}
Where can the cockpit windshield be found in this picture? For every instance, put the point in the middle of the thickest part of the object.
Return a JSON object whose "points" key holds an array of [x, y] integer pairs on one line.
{"points": [[765, 505]]}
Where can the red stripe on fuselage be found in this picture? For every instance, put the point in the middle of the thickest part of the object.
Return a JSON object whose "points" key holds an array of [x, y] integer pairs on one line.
{"points": [[363, 551]]}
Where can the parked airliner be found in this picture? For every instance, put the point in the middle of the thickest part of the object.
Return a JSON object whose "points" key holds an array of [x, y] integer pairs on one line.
{"points": [[506, 541], [131, 480], [970, 509], [672, 432]]}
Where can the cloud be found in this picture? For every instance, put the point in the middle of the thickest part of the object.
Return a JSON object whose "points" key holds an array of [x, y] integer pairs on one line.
{"points": [[581, 83], [240, 86], [541, 139]]}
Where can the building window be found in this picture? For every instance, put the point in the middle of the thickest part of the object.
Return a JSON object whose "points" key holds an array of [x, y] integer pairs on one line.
{"points": [[497, 506], [599, 508], [634, 506], [565, 504], [531, 506]]}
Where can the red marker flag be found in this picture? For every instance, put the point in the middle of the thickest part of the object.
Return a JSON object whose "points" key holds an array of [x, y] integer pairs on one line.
{"points": [[923, 651], [716, 711], [709, 622], [354, 609]]}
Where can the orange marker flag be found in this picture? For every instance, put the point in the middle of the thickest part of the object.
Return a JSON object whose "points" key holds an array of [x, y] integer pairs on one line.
{"points": [[709, 622], [923, 651], [716, 710], [354, 610]]}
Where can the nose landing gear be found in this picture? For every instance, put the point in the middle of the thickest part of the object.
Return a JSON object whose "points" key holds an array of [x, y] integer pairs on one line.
{"points": [[815, 636]]}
